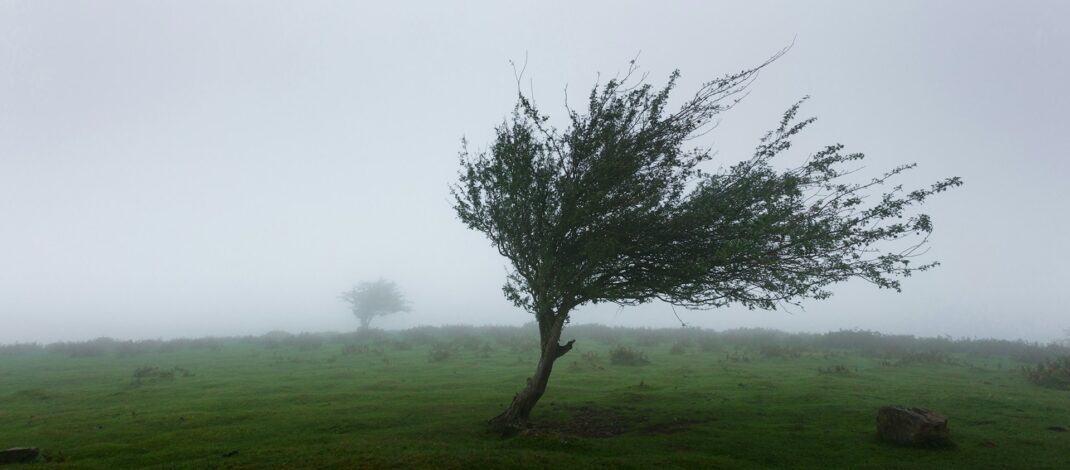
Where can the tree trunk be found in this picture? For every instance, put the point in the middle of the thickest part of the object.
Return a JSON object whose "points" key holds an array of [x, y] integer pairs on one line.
{"points": [[515, 416], [365, 322]]}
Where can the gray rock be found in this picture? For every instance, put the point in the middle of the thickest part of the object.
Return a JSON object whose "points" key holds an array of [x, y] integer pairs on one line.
{"points": [[912, 426], [18, 455]]}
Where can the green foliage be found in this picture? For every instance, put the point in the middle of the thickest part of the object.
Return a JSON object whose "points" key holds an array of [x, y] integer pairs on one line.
{"points": [[439, 352], [19, 349], [678, 348], [780, 351], [588, 360], [625, 356], [926, 357], [837, 369], [153, 372], [359, 349], [1052, 373], [372, 299], [616, 208]]}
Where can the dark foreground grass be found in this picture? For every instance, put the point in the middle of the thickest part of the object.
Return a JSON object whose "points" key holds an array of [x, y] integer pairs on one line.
{"points": [[387, 401]]}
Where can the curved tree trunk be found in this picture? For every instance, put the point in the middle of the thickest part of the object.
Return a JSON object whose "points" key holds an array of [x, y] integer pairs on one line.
{"points": [[515, 416]]}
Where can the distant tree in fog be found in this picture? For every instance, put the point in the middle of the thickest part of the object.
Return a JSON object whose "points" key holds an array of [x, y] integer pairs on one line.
{"points": [[372, 299], [614, 208]]}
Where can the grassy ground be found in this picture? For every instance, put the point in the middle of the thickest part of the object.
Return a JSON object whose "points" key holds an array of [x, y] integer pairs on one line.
{"points": [[383, 402]]}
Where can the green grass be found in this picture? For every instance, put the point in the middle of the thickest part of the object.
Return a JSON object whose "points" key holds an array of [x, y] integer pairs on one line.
{"points": [[388, 406]]}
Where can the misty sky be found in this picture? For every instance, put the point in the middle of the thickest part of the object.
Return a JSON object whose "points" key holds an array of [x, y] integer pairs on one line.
{"points": [[192, 168]]}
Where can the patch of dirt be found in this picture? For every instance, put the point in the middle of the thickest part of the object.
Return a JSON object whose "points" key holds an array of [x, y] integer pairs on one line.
{"points": [[670, 427], [591, 421]]}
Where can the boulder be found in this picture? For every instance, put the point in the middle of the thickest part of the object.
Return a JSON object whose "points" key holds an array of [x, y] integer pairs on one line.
{"points": [[912, 426], [18, 455]]}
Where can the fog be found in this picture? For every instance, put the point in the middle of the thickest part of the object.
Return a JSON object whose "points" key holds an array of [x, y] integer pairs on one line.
{"points": [[189, 168]]}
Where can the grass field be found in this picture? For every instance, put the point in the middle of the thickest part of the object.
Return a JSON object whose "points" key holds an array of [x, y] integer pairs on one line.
{"points": [[420, 398]]}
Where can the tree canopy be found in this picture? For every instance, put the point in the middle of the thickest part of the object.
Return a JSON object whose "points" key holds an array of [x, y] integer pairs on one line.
{"points": [[619, 206], [371, 299]]}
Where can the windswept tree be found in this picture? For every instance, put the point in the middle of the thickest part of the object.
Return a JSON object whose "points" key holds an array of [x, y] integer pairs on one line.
{"points": [[372, 299], [617, 207]]}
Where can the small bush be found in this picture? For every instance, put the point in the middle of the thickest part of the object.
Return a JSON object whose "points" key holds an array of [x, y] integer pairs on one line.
{"points": [[94, 348], [419, 335], [485, 351], [624, 356], [710, 344], [838, 369], [466, 341], [275, 339], [307, 342], [926, 357], [778, 351], [19, 349], [53, 456], [587, 360], [678, 348], [153, 372], [439, 353], [1052, 373], [736, 357], [355, 349]]}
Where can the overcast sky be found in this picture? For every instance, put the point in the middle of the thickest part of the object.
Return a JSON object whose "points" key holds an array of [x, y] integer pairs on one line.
{"points": [[192, 168]]}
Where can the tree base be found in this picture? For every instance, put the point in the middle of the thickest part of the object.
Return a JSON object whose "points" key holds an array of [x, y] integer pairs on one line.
{"points": [[508, 427]]}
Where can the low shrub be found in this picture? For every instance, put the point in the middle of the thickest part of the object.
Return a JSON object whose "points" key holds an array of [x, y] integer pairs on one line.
{"points": [[439, 352], [625, 356], [710, 344], [484, 351], [779, 351], [678, 348], [355, 349], [587, 361], [834, 369], [736, 357], [926, 357], [153, 372], [1052, 373], [19, 349]]}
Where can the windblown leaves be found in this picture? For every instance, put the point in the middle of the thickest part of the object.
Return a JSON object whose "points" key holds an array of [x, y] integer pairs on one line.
{"points": [[616, 208]]}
